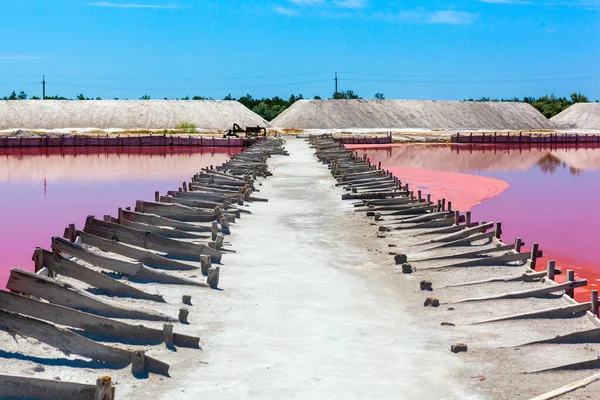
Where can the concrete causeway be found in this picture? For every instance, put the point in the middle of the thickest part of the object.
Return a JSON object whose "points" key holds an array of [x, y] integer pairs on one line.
{"points": [[306, 311]]}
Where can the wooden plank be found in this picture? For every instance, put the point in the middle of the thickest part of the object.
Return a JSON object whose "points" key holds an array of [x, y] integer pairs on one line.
{"points": [[60, 265], [63, 294], [529, 293], [148, 240], [555, 312], [526, 277], [144, 256], [103, 327], [167, 232], [463, 233], [175, 211], [20, 387], [153, 219], [470, 254], [462, 242], [72, 343], [205, 206], [498, 260], [140, 271], [571, 387]]}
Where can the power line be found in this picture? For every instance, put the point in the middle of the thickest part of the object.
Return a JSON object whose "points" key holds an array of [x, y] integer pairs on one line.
{"points": [[443, 82], [539, 74], [190, 79], [206, 89]]}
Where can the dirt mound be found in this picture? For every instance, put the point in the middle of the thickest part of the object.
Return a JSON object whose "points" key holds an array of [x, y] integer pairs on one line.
{"points": [[580, 115], [416, 114], [124, 114]]}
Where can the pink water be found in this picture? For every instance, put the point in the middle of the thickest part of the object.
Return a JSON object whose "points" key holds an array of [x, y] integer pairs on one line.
{"points": [[549, 198], [42, 190]]}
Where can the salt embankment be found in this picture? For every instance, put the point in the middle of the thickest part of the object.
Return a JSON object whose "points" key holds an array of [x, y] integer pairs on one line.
{"points": [[125, 114], [580, 115], [411, 114]]}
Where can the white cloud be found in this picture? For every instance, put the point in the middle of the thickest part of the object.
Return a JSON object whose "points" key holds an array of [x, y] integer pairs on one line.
{"points": [[306, 2], [352, 4], [451, 17], [108, 4], [420, 16], [285, 11]]}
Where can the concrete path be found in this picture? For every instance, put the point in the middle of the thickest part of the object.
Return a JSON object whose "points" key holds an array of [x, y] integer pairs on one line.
{"points": [[307, 311]]}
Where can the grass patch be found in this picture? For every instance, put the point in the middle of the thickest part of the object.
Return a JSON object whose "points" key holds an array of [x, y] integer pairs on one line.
{"points": [[187, 127]]}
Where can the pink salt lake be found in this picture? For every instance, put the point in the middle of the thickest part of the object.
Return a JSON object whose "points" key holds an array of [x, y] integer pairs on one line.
{"points": [[540, 194], [42, 190]]}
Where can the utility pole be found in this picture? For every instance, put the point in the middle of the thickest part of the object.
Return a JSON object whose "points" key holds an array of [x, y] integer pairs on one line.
{"points": [[336, 83], [43, 87]]}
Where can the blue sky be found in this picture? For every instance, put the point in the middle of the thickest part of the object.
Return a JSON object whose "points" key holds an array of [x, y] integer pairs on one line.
{"points": [[451, 49]]}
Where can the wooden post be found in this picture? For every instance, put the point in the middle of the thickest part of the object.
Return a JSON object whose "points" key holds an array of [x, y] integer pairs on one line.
{"points": [[419, 196], [498, 234], [570, 278], [72, 231], [518, 244], [120, 215], [189, 186], [107, 218], [443, 204], [138, 362], [183, 315], [184, 186], [205, 264], [157, 196], [551, 269], [428, 199], [439, 205], [104, 389], [534, 255], [379, 166], [168, 334], [594, 302], [186, 299], [449, 206], [456, 218], [38, 259], [468, 219]]}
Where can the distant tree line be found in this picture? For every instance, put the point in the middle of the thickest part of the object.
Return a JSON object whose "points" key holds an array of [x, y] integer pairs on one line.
{"points": [[269, 108], [547, 105]]}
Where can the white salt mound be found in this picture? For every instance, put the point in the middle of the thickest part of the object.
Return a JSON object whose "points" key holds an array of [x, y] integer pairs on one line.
{"points": [[124, 114], [580, 115], [416, 114]]}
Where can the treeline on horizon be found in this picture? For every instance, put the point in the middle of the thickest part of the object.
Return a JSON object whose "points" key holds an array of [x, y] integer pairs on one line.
{"points": [[270, 108]]}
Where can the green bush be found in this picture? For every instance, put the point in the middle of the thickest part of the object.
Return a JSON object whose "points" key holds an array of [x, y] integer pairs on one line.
{"points": [[188, 127]]}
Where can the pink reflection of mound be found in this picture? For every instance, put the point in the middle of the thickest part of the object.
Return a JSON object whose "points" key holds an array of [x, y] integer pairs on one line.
{"points": [[463, 190]]}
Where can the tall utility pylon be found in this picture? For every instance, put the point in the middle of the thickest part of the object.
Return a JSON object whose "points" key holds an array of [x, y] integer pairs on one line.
{"points": [[43, 87], [336, 83]]}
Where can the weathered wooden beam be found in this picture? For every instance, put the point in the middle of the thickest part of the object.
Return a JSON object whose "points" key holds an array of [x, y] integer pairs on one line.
{"points": [[100, 326], [167, 232], [148, 240], [152, 219], [463, 233], [555, 312], [461, 242], [480, 262], [134, 270], [60, 265], [528, 293], [175, 211], [571, 387], [72, 343], [144, 256], [63, 294], [469, 254], [20, 387], [526, 277]]}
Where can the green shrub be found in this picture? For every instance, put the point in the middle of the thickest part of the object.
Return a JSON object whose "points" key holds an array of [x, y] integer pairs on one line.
{"points": [[189, 127]]}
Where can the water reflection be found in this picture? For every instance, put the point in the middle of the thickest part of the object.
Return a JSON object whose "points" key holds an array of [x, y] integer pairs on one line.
{"points": [[542, 205], [486, 157]]}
